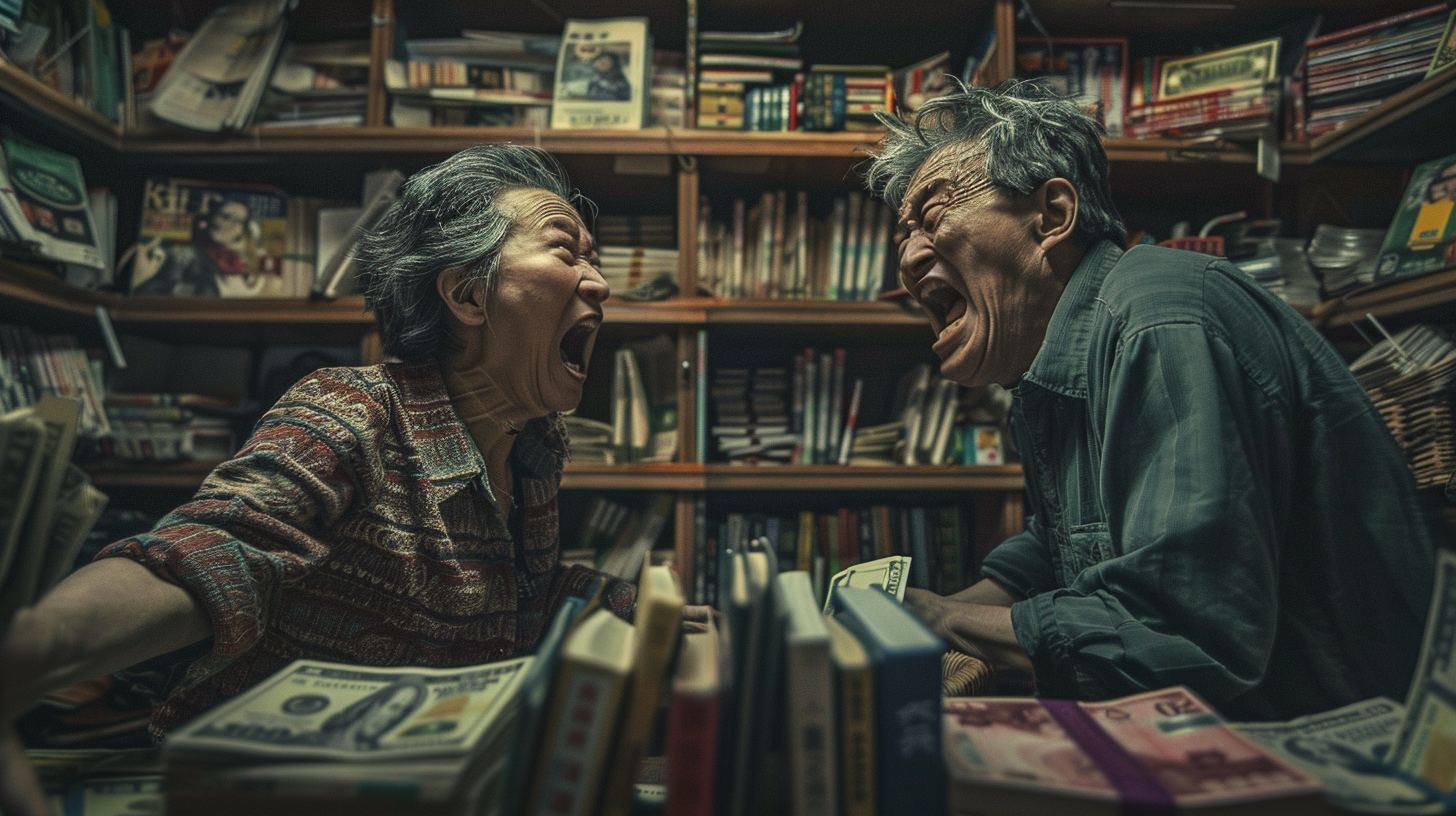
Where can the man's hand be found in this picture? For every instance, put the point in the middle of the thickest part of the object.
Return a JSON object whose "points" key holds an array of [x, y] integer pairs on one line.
{"points": [[980, 630]]}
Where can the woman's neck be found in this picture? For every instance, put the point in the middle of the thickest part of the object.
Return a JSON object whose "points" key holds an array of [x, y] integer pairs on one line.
{"points": [[490, 418]]}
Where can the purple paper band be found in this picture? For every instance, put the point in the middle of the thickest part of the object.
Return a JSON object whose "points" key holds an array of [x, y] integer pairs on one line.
{"points": [[1138, 792]]}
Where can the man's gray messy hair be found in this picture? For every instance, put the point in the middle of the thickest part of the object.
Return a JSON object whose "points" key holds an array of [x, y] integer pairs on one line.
{"points": [[1025, 134], [446, 216]]}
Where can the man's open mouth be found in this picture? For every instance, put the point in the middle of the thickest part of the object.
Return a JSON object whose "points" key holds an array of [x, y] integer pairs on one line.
{"points": [[576, 345], [942, 303]]}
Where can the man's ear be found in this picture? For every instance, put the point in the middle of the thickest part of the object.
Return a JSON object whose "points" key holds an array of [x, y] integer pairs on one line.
{"points": [[463, 297], [1056, 202]]}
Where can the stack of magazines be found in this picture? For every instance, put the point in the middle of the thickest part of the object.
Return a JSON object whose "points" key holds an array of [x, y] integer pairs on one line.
{"points": [[1410, 377], [218, 79]]}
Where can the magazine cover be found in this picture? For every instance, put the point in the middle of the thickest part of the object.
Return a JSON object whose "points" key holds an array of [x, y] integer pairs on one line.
{"points": [[211, 239], [1422, 235], [50, 193], [1092, 71], [602, 74]]}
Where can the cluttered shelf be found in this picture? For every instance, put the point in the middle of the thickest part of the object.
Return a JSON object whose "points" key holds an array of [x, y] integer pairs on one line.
{"points": [[1414, 99], [1387, 298], [662, 476]]}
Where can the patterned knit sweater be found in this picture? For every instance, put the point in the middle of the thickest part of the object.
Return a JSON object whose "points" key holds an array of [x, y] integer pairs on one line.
{"points": [[355, 526]]}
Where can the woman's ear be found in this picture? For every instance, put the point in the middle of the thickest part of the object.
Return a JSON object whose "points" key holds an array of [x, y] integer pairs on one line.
{"points": [[1056, 202], [462, 296]]}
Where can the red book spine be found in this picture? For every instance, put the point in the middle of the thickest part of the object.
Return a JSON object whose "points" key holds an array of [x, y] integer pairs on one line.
{"points": [[1335, 36], [692, 743]]}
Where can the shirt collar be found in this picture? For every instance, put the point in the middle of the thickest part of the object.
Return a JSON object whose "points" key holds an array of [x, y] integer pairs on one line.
{"points": [[443, 446], [1061, 364]]}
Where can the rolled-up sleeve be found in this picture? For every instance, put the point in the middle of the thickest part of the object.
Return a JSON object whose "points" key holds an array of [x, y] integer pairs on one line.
{"points": [[1021, 563], [258, 522], [1182, 586]]}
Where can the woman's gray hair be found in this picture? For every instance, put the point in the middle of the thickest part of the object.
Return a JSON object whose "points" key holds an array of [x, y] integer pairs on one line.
{"points": [[1025, 133], [446, 216]]}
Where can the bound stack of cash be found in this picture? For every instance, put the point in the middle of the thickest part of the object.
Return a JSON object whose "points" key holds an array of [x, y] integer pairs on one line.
{"points": [[324, 737], [1410, 377]]}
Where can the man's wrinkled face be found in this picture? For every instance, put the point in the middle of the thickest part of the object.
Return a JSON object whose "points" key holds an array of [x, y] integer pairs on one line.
{"points": [[970, 257]]}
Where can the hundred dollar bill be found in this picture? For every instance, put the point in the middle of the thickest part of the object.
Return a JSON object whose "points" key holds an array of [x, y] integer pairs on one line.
{"points": [[1345, 749], [317, 710], [1427, 745], [1171, 735], [888, 573], [113, 796]]}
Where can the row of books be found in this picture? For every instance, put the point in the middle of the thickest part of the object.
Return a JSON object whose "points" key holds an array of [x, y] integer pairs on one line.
{"points": [[946, 541], [167, 428], [775, 248], [778, 703], [617, 533], [809, 413], [642, 425]]}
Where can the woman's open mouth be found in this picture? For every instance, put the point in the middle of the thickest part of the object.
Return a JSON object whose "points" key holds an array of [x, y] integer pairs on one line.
{"points": [[576, 345]]}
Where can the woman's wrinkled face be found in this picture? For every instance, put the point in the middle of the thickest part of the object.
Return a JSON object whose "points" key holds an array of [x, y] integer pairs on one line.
{"points": [[543, 317], [969, 257]]}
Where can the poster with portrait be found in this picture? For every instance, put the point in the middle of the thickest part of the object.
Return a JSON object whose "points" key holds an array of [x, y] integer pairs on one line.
{"points": [[602, 74], [1422, 235], [210, 239]]}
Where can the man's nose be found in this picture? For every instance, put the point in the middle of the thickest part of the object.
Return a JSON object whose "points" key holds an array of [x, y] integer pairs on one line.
{"points": [[593, 286]]}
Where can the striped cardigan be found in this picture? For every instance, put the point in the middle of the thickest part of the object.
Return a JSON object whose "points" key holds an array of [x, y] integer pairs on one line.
{"points": [[354, 526]]}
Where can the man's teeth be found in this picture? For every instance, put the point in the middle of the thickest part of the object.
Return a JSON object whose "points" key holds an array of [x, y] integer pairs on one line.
{"points": [[952, 327]]}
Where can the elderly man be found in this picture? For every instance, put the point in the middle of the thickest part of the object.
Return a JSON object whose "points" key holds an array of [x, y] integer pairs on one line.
{"points": [[1214, 502]]}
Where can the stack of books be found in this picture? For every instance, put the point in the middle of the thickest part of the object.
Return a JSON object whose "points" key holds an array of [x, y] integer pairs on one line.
{"points": [[745, 80], [168, 428], [479, 78], [318, 84], [847, 97], [1410, 378], [1229, 93], [751, 423], [1350, 71]]}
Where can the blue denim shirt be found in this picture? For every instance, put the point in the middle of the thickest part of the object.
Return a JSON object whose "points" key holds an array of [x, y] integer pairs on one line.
{"points": [[1213, 500]]}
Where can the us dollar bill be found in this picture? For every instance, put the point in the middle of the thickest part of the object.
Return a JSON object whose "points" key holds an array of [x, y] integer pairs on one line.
{"points": [[118, 796], [317, 710], [1347, 749], [889, 573], [1427, 745]]}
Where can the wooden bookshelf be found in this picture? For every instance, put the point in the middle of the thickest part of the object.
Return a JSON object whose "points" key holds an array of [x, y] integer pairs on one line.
{"points": [[60, 109], [1387, 298]]}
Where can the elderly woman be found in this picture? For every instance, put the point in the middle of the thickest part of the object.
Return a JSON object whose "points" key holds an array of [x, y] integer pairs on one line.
{"points": [[399, 514]]}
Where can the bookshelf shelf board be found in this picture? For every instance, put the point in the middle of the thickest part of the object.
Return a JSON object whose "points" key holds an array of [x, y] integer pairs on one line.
{"points": [[1175, 150], [1403, 104], [56, 106], [811, 312], [1388, 298], [652, 476], [269, 311], [857, 477], [182, 475]]}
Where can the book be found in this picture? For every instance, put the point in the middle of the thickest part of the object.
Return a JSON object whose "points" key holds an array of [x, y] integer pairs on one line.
{"points": [[22, 584], [46, 203], [337, 274], [602, 74], [694, 710], [1422, 233], [205, 238], [811, 735], [594, 668], [854, 687], [217, 80], [22, 449], [1166, 749], [906, 657], [536, 685], [658, 619]]}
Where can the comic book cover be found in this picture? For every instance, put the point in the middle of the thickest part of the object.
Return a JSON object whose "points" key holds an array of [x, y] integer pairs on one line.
{"points": [[210, 239]]}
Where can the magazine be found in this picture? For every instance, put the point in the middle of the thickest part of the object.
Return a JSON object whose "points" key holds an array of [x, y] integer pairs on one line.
{"points": [[1422, 235], [46, 199], [211, 239], [602, 74]]}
